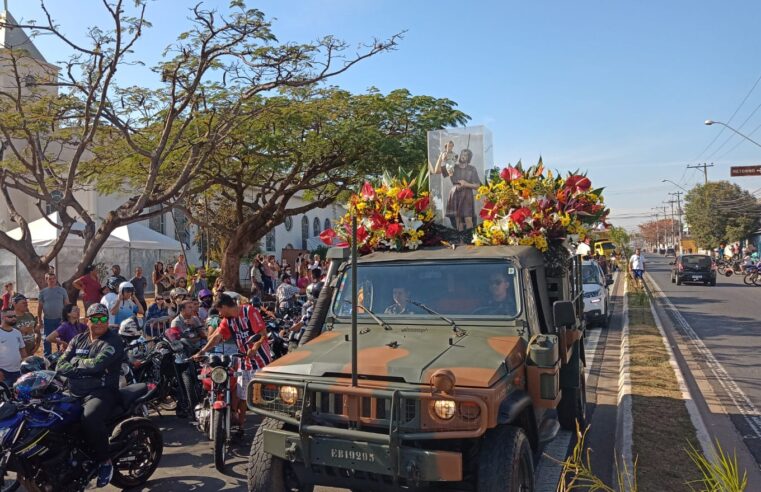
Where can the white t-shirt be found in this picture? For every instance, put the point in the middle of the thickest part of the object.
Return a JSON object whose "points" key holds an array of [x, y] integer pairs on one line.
{"points": [[637, 262], [10, 344], [109, 300]]}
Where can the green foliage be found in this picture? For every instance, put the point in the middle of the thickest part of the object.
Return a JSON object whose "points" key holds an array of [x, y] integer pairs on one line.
{"points": [[720, 212], [621, 239], [721, 475]]}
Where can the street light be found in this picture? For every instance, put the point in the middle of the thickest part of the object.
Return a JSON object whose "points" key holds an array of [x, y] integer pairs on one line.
{"points": [[711, 122], [669, 181]]}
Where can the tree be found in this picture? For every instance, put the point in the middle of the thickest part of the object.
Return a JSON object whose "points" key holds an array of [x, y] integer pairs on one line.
{"points": [[315, 144], [656, 231], [720, 212], [73, 130], [620, 238]]}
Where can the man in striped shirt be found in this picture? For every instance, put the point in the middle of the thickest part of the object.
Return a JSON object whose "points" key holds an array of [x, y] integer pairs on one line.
{"points": [[240, 324]]}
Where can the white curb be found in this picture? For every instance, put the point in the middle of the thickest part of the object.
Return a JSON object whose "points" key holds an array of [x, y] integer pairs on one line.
{"points": [[624, 419]]}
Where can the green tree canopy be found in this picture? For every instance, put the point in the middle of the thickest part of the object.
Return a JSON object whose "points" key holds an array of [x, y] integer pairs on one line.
{"points": [[719, 212]]}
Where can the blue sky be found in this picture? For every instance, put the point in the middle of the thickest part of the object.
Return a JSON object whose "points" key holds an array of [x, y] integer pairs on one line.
{"points": [[620, 89]]}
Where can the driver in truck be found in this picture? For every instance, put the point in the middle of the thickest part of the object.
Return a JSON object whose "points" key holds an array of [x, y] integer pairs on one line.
{"points": [[502, 301]]}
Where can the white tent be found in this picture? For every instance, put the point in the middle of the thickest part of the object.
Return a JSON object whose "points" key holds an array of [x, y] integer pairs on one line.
{"points": [[129, 246]]}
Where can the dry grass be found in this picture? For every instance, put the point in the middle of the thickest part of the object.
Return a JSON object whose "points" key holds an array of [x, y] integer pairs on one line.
{"points": [[663, 431]]}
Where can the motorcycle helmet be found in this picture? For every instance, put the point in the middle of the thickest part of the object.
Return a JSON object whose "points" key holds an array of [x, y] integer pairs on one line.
{"points": [[129, 328], [112, 283], [204, 293], [32, 364], [126, 286], [313, 290], [256, 301], [97, 309], [178, 291], [35, 385]]}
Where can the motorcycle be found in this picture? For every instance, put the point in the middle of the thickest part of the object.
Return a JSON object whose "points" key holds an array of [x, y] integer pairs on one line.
{"points": [[278, 344], [752, 275], [214, 413], [41, 439]]}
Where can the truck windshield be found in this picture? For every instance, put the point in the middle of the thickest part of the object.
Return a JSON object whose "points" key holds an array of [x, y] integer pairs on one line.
{"points": [[590, 274], [487, 288]]}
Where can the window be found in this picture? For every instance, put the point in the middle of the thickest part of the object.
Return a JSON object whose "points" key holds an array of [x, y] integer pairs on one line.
{"points": [[30, 80], [181, 229], [316, 227], [288, 223], [304, 231], [269, 241], [157, 222], [49, 208], [327, 224]]}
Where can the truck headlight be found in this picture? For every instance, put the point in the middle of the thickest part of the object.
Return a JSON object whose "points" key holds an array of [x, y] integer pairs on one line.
{"points": [[289, 394], [219, 375], [444, 409]]}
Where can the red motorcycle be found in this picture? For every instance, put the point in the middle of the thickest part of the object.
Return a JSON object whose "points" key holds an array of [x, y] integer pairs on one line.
{"points": [[214, 412]]}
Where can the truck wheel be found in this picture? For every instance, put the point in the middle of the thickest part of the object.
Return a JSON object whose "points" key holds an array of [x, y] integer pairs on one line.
{"points": [[573, 404], [267, 473], [505, 461]]}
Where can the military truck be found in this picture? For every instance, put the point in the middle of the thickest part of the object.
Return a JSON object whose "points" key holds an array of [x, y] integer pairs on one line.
{"points": [[465, 361]]}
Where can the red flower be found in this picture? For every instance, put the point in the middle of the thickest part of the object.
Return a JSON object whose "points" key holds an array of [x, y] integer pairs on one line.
{"points": [[393, 230], [327, 236], [521, 214], [422, 203], [489, 212], [578, 183], [510, 173], [404, 194], [367, 192], [361, 234], [377, 221]]}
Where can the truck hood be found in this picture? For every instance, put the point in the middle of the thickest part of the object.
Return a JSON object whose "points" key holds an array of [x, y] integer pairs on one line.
{"points": [[409, 354]]}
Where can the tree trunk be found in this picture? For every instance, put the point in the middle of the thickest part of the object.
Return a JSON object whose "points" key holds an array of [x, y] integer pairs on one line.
{"points": [[239, 246]]}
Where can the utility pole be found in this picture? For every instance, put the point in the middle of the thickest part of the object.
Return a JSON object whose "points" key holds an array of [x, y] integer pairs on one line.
{"points": [[662, 209], [704, 167], [678, 195], [673, 223]]}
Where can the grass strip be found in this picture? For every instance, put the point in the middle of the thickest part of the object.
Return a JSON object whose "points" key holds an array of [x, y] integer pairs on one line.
{"points": [[663, 432]]}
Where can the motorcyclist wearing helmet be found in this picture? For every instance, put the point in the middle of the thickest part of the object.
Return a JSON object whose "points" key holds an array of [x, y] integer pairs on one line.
{"points": [[313, 293], [126, 305], [205, 298], [191, 326], [92, 363], [176, 296]]}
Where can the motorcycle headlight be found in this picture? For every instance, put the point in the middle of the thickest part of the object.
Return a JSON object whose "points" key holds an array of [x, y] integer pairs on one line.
{"points": [[444, 409], [219, 375], [289, 394]]}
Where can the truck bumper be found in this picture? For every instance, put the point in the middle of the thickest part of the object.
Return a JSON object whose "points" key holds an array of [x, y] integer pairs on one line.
{"points": [[415, 465]]}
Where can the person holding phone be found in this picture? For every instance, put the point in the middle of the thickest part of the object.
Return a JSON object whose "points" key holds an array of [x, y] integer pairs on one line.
{"points": [[245, 325], [126, 304]]}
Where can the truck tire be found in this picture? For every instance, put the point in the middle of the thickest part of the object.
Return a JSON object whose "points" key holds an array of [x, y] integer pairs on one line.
{"points": [[505, 462], [267, 473], [573, 404]]}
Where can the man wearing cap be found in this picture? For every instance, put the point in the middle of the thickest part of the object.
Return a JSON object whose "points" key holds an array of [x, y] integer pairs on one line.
{"points": [[27, 324], [50, 308], [92, 364]]}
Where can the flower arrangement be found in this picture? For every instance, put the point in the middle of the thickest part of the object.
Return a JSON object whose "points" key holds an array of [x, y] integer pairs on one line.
{"points": [[392, 216], [535, 208]]}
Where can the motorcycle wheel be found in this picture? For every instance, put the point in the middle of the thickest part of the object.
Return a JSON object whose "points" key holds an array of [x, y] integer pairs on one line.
{"points": [[220, 438], [167, 401], [138, 459], [748, 279]]}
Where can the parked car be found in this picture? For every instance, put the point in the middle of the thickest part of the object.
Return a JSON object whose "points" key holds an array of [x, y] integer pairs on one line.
{"points": [[670, 252], [596, 296], [662, 251], [694, 268]]}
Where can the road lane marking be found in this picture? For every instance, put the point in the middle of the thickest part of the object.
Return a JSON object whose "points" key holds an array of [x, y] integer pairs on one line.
{"points": [[624, 419], [740, 400]]}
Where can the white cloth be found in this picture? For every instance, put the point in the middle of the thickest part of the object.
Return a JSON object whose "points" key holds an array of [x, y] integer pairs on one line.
{"points": [[583, 249], [10, 344], [242, 381], [109, 300], [637, 262]]}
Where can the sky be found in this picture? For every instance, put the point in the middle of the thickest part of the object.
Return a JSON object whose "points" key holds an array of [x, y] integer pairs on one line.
{"points": [[617, 89]]}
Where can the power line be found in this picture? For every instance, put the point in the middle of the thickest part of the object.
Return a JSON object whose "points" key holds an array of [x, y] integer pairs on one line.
{"points": [[742, 141], [729, 120], [732, 135], [705, 167]]}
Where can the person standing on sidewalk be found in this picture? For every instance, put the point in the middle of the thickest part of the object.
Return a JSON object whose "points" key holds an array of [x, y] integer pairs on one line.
{"points": [[52, 300], [140, 283], [637, 267], [89, 284]]}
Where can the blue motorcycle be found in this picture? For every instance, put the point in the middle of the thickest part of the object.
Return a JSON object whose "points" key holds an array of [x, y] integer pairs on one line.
{"points": [[41, 439]]}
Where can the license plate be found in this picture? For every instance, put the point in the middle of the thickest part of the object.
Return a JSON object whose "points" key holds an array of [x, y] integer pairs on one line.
{"points": [[697, 277], [351, 454]]}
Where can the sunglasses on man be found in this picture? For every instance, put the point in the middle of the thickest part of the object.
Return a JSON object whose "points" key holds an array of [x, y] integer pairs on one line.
{"points": [[98, 319]]}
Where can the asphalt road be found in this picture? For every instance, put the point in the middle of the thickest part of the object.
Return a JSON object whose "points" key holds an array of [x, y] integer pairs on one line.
{"points": [[726, 319]]}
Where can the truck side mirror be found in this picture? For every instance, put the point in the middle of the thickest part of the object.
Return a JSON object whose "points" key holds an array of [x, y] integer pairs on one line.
{"points": [[564, 313]]}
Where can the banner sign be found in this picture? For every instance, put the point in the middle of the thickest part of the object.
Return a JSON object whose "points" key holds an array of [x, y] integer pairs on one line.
{"points": [[745, 171]]}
